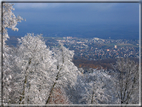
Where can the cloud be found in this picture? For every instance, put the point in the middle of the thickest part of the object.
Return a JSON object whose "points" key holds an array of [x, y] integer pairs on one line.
{"points": [[36, 5], [103, 6], [29, 5]]}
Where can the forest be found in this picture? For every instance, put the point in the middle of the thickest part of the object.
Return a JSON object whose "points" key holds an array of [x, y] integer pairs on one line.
{"points": [[33, 73]]}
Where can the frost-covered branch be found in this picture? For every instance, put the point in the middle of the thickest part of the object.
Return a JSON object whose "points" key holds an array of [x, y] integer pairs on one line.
{"points": [[126, 81]]}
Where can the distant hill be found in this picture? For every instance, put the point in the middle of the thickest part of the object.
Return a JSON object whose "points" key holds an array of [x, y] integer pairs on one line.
{"points": [[80, 30]]}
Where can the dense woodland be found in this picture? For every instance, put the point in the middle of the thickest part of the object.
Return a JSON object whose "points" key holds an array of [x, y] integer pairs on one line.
{"points": [[98, 64], [35, 74]]}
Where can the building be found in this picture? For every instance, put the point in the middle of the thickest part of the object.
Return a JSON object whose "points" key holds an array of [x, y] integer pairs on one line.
{"points": [[115, 46]]}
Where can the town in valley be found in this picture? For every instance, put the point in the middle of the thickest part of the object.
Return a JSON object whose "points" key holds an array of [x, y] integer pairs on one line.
{"points": [[93, 52]]}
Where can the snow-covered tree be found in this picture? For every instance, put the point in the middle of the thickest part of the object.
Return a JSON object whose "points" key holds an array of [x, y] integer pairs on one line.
{"points": [[75, 93], [66, 72], [36, 66], [126, 81], [9, 21], [95, 87]]}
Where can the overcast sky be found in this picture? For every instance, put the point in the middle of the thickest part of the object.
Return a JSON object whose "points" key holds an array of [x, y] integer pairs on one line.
{"points": [[120, 13], [78, 13]]}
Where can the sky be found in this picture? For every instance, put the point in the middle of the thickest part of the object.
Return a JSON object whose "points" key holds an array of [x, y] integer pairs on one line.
{"points": [[79, 19]]}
